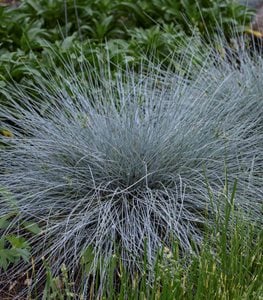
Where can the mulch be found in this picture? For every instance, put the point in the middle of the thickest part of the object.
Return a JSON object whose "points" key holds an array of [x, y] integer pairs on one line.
{"points": [[9, 2], [11, 290]]}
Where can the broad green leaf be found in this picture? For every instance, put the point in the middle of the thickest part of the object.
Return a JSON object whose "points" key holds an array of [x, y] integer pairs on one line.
{"points": [[17, 241], [31, 227]]}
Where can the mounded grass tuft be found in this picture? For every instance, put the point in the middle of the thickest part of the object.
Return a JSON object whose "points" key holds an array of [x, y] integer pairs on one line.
{"points": [[134, 161]]}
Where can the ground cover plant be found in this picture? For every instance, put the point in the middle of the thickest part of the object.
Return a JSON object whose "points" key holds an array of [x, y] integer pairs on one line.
{"points": [[130, 28]]}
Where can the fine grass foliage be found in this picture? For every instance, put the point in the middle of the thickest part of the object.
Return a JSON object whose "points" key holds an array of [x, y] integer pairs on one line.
{"points": [[224, 269], [133, 160]]}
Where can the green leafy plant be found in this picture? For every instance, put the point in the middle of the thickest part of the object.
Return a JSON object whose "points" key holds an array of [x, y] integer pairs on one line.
{"points": [[12, 250], [13, 246], [159, 24]]}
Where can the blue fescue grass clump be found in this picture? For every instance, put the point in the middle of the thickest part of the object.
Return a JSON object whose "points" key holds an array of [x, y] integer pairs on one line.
{"points": [[131, 160]]}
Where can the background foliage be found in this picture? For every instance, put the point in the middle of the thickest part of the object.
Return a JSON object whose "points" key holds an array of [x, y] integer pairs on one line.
{"points": [[125, 29]]}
